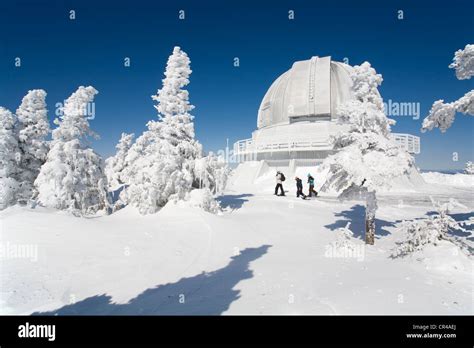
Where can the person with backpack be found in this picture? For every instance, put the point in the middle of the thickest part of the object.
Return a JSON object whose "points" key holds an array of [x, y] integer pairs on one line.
{"points": [[280, 177], [299, 188], [311, 186]]}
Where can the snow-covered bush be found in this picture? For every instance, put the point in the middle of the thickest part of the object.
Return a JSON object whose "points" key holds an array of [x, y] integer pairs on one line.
{"points": [[345, 245], [73, 176], [33, 128], [344, 239], [212, 172], [469, 169], [115, 165], [442, 114], [161, 162], [366, 158], [433, 230], [9, 159], [203, 199]]}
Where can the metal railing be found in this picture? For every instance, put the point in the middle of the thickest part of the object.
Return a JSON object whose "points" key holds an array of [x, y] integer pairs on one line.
{"points": [[409, 142], [246, 146]]}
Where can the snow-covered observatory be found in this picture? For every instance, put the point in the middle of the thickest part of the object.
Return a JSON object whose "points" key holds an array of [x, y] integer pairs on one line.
{"points": [[297, 116]]}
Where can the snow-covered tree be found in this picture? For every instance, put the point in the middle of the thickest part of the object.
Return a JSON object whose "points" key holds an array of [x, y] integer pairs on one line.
{"points": [[160, 165], [433, 230], [115, 165], [366, 158], [9, 159], [32, 128], [442, 114], [212, 172], [73, 176], [469, 169]]}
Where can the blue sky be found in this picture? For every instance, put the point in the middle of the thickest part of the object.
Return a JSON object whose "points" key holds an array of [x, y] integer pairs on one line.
{"points": [[59, 54]]}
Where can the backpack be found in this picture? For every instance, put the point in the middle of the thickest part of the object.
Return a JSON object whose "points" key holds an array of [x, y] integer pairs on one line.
{"points": [[282, 177]]}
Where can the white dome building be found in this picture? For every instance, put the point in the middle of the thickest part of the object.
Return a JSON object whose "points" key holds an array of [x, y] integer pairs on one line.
{"points": [[297, 116]]}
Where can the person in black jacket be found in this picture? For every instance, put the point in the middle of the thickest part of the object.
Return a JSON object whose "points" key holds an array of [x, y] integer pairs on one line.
{"points": [[279, 183], [311, 186], [299, 188]]}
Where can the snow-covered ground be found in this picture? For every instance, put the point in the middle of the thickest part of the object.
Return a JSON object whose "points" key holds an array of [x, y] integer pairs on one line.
{"points": [[263, 255], [459, 179]]}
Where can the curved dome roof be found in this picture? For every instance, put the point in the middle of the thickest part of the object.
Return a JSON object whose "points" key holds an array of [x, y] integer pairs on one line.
{"points": [[311, 90]]}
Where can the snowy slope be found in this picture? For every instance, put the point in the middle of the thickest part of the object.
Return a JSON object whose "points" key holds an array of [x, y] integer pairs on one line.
{"points": [[263, 255], [458, 179]]}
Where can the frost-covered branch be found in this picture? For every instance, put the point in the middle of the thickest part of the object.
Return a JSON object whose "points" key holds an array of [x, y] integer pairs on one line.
{"points": [[463, 63], [442, 114]]}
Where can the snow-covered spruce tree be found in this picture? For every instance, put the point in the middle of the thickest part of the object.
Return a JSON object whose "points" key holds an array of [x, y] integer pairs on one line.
{"points": [[9, 159], [366, 158], [72, 177], [32, 128], [469, 169], [115, 165], [442, 114], [160, 165], [212, 172]]}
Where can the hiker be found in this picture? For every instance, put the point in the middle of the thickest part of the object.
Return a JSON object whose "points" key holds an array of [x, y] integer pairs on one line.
{"points": [[299, 188], [311, 186], [280, 177]]}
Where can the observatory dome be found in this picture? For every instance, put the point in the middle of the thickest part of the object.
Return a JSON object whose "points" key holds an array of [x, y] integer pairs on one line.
{"points": [[310, 91], [298, 116]]}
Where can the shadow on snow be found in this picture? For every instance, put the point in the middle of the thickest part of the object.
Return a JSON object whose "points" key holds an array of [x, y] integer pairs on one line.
{"points": [[356, 216], [233, 201], [208, 293]]}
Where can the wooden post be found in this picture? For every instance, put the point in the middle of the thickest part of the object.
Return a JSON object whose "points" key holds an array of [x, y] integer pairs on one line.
{"points": [[370, 209], [369, 228]]}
